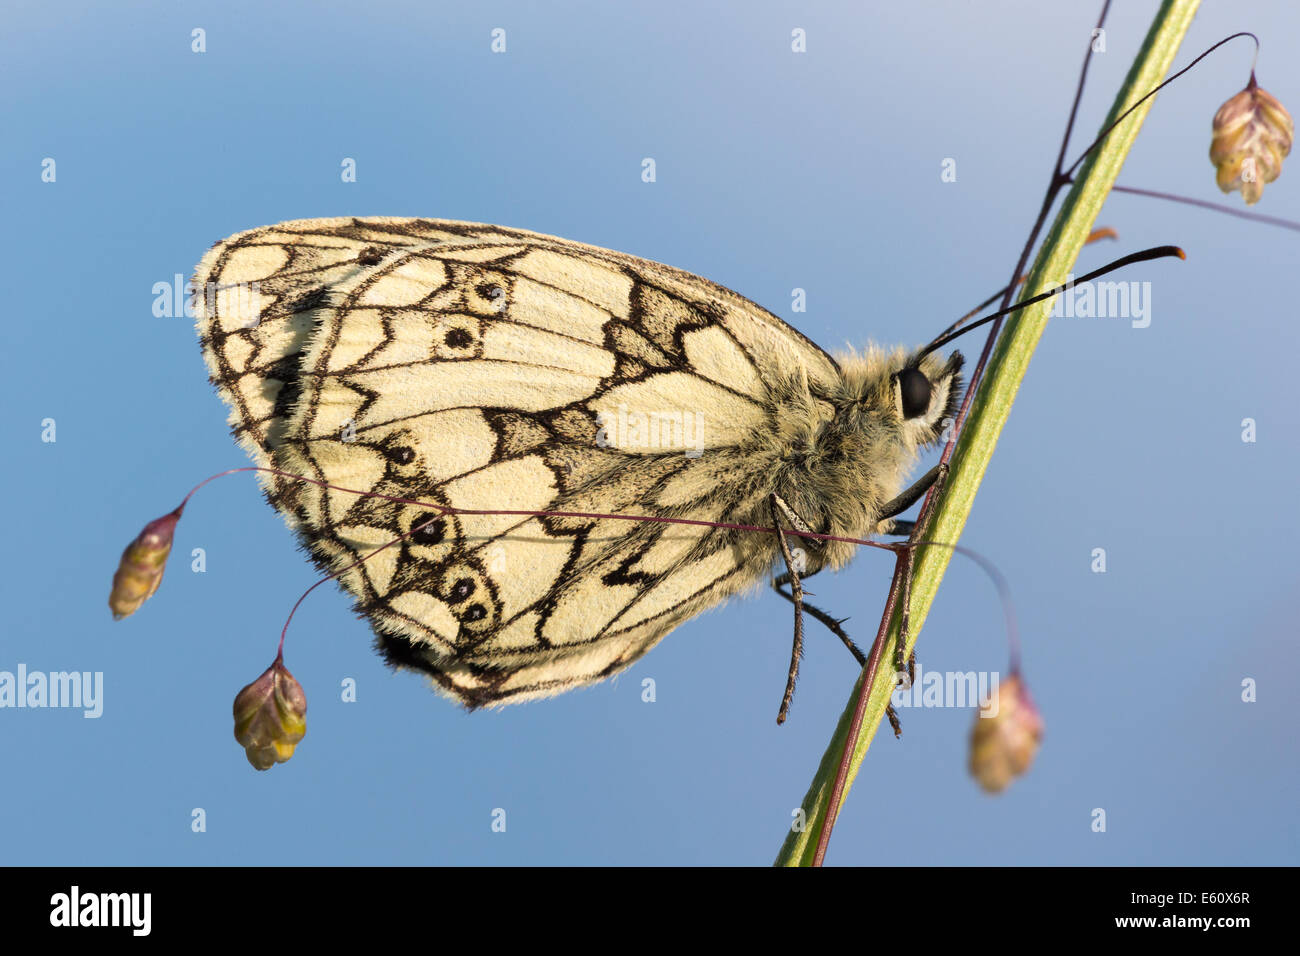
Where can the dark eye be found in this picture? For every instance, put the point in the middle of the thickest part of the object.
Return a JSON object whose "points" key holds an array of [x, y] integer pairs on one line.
{"points": [[914, 390]]}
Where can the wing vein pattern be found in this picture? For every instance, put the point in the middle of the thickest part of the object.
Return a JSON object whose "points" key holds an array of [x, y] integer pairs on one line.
{"points": [[489, 368]]}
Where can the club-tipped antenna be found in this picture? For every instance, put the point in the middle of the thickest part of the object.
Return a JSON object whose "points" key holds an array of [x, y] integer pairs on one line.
{"points": [[1146, 255]]}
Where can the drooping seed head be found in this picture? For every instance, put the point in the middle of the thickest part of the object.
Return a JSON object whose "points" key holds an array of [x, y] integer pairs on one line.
{"points": [[1005, 739], [140, 571], [1252, 135], [270, 717]]}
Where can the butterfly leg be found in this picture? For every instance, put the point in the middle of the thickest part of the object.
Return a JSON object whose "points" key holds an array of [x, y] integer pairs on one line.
{"points": [[834, 625], [908, 497], [794, 567], [889, 525], [895, 725], [896, 526]]}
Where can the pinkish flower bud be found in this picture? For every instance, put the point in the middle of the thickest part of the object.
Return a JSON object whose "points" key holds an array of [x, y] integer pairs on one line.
{"points": [[1252, 135], [270, 717], [141, 569], [1008, 730]]}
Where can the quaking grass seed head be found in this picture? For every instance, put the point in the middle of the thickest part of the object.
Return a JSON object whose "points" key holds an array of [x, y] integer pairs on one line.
{"points": [[1008, 730], [1252, 134], [270, 717], [140, 571]]}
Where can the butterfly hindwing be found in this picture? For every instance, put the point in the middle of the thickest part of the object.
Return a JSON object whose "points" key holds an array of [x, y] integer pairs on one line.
{"points": [[485, 368]]}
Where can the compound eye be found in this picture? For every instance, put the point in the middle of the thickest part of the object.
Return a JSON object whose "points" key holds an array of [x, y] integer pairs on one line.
{"points": [[914, 392]]}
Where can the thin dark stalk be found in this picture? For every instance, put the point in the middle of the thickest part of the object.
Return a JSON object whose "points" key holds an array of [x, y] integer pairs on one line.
{"points": [[1122, 116], [1059, 180], [1215, 206], [1054, 187]]}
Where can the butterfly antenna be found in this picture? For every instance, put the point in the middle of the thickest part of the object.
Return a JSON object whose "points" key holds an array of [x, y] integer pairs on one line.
{"points": [[1146, 255], [1105, 232]]}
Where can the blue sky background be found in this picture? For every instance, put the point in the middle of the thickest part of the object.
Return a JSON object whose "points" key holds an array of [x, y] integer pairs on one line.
{"points": [[775, 171]]}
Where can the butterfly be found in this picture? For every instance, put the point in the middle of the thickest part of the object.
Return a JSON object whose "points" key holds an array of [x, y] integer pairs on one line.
{"points": [[482, 368]]}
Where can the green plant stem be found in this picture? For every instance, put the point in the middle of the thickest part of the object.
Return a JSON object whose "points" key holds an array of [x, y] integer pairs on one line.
{"points": [[992, 405]]}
